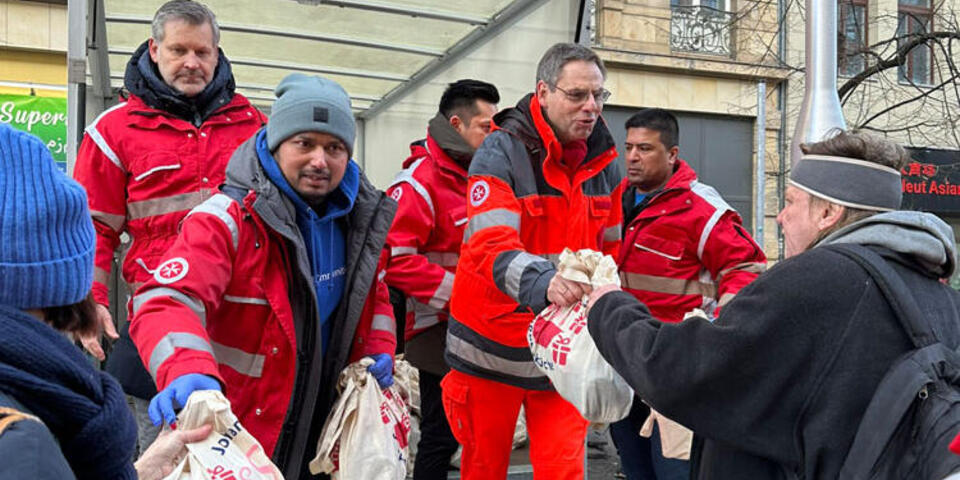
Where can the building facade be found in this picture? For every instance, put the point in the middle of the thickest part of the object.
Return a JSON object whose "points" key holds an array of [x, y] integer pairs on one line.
{"points": [[33, 70], [706, 59]]}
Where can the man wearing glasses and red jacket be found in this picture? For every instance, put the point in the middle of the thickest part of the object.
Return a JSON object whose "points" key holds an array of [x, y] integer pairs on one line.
{"points": [[543, 181]]}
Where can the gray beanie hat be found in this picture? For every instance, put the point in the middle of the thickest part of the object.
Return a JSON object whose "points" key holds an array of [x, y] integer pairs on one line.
{"points": [[308, 103]]}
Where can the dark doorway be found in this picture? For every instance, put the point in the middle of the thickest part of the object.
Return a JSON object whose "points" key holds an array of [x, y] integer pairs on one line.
{"points": [[718, 147]]}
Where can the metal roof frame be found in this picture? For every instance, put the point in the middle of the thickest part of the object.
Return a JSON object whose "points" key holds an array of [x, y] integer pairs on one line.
{"points": [[240, 86], [400, 10], [96, 57], [269, 88], [500, 21], [355, 42], [298, 67]]}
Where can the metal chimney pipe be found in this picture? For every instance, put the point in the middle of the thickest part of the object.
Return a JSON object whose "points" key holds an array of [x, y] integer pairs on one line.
{"points": [[820, 111]]}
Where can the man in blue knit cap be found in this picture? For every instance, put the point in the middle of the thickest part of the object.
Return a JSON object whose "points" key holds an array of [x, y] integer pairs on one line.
{"points": [[275, 284]]}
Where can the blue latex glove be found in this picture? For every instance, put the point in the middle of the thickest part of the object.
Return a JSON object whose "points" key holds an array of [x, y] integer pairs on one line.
{"points": [[382, 369], [162, 405]]}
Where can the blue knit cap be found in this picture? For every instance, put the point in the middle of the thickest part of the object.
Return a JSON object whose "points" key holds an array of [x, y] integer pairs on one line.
{"points": [[46, 234], [308, 103]]}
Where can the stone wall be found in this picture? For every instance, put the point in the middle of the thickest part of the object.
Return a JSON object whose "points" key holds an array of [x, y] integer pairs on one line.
{"points": [[633, 38]]}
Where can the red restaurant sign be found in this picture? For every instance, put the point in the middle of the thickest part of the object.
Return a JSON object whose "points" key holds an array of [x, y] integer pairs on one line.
{"points": [[931, 181]]}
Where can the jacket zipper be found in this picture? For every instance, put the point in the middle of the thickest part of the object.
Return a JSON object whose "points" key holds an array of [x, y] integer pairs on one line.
{"points": [[288, 430]]}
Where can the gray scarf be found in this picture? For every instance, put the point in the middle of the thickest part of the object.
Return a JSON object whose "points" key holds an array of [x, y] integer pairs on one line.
{"points": [[450, 140]]}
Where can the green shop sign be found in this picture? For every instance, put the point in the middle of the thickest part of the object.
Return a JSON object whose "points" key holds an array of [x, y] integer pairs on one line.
{"points": [[42, 116]]}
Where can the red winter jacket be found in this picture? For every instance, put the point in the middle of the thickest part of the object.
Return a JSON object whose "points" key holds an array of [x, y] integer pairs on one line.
{"points": [[233, 298], [144, 169], [523, 209], [427, 232], [685, 249]]}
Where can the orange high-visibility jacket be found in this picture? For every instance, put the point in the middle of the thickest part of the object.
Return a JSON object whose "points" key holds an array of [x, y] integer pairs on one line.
{"points": [[523, 208]]}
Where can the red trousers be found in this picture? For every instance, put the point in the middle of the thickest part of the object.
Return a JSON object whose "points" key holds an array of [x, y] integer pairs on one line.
{"points": [[483, 415]]}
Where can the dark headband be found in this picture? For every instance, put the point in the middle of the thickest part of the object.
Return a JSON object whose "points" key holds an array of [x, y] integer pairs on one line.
{"points": [[850, 182]]}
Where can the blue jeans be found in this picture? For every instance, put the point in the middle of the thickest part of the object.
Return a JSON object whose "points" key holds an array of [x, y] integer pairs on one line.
{"points": [[642, 458]]}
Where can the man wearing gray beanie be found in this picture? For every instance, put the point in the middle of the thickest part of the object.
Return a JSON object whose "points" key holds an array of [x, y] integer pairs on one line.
{"points": [[275, 284], [803, 371]]}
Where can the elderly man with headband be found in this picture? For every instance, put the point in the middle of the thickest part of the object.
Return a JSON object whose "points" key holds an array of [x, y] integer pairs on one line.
{"points": [[780, 380]]}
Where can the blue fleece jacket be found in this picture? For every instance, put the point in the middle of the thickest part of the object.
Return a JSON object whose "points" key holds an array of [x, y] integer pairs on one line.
{"points": [[322, 234]]}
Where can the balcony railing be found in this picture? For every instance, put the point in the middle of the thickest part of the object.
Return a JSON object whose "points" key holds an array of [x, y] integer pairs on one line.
{"points": [[700, 29]]}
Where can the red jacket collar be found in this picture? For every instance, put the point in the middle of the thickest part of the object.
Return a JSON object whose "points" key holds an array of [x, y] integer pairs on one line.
{"points": [[418, 150], [665, 198], [550, 141], [554, 170], [683, 176], [430, 147], [443, 160]]}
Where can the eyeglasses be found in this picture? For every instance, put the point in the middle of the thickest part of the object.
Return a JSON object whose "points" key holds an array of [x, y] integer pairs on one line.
{"points": [[581, 96]]}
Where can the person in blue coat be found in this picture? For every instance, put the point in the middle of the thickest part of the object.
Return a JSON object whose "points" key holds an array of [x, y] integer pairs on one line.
{"points": [[59, 417]]}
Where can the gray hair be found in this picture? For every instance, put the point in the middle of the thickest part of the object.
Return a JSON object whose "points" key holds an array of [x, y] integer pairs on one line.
{"points": [[860, 145], [194, 13], [552, 62]]}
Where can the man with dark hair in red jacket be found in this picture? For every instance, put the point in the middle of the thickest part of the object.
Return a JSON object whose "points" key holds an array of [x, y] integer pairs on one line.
{"points": [[684, 248], [425, 244]]}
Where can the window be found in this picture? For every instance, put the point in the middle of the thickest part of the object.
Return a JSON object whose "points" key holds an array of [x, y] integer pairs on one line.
{"points": [[720, 5], [915, 17], [701, 26], [851, 37]]}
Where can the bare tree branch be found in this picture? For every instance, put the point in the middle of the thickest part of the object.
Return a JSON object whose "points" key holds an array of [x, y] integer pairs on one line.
{"points": [[897, 59], [908, 101]]}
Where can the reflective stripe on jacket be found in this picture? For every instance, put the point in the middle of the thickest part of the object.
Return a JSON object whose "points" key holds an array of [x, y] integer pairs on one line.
{"points": [[426, 234], [523, 209], [686, 249], [233, 299], [144, 169]]}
